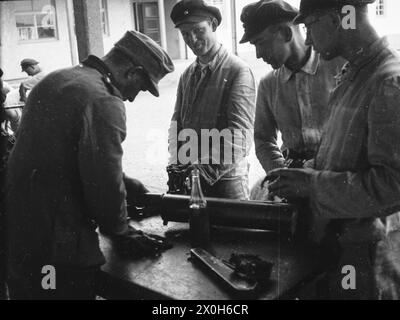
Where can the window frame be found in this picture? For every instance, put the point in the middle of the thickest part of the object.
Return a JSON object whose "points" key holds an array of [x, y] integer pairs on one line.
{"points": [[380, 8], [104, 11], [36, 25]]}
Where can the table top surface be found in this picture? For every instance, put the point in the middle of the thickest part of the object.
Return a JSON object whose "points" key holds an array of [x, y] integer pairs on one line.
{"points": [[174, 276]]}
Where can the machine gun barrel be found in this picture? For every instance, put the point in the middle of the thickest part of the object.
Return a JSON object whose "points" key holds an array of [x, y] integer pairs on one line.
{"points": [[226, 212]]}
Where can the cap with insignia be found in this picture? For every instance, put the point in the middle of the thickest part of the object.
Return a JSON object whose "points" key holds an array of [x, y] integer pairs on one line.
{"points": [[145, 52], [307, 7], [258, 16], [193, 11]]}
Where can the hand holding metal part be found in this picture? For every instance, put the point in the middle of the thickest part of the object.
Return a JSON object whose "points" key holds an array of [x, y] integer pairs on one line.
{"points": [[290, 183]]}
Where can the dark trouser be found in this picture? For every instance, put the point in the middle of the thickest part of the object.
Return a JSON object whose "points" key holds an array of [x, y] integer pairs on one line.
{"points": [[229, 188], [359, 258], [3, 290], [70, 284]]}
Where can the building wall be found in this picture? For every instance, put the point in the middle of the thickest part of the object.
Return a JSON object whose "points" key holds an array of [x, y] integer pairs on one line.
{"points": [[52, 54], [388, 24], [120, 17], [174, 39], [224, 31]]}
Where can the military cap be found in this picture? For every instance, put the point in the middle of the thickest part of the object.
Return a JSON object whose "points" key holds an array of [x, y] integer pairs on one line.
{"points": [[145, 52], [258, 16], [192, 11], [27, 63], [307, 7]]}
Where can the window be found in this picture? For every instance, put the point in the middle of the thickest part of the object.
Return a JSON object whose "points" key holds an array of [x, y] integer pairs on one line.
{"points": [[215, 2], [380, 8], [104, 17], [35, 19]]}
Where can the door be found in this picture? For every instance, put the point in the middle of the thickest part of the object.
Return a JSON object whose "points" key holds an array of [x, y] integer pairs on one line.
{"points": [[147, 20]]}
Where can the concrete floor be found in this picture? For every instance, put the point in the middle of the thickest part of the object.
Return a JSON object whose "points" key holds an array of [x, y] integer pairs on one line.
{"points": [[148, 118]]}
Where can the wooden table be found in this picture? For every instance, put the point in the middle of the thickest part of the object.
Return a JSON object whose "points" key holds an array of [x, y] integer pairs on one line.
{"points": [[174, 276]]}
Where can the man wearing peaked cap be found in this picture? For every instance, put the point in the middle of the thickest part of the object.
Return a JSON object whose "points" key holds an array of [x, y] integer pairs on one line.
{"points": [[65, 175], [293, 98], [257, 16], [144, 52], [216, 93], [189, 11], [354, 185], [35, 73], [309, 6]]}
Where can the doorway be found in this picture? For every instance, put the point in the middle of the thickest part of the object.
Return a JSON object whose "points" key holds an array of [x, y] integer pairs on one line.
{"points": [[147, 19]]}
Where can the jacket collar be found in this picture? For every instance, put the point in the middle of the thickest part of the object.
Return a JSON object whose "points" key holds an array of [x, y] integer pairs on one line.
{"points": [[107, 76], [366, 55], [310, 67], [216, 61]]}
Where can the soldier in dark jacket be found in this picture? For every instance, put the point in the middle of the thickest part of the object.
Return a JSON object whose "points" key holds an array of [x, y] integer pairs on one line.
{"points": [[65, 174]]}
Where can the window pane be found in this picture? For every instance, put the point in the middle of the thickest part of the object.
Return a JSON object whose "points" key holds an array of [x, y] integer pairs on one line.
{"points": [[151, 11], [26, 33], [23, 6], [39, 5], [46, 33], [151, 24], [24, 21]]}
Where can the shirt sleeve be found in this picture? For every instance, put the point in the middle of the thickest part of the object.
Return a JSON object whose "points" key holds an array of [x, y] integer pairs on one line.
{"points": [[374, 189], [266, 132], [175, 127], [240, 112], [100, 163]]}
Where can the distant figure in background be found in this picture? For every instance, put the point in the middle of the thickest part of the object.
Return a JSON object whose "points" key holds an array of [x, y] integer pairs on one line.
{"points": [[35, 72], [12, 107]]}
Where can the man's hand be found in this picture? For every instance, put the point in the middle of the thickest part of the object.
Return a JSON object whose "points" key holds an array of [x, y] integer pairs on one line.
{"points": [[137, 244], [134, 189], [290, 183]]}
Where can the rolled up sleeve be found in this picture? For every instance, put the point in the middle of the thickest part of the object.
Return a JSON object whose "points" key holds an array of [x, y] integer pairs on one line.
{"points": [[100, 164]]}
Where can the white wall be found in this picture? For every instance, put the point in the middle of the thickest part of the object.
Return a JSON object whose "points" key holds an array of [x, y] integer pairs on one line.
{"points": [[52, 54], [388, 24], [120, 17]]}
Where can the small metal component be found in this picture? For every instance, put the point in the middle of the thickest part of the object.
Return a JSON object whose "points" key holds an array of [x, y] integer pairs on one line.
{"points": [[223, 272]]}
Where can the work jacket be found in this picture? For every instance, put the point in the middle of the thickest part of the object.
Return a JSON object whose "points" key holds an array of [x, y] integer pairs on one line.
{"points": [[220, 96], [356, 191], [64, 174]]}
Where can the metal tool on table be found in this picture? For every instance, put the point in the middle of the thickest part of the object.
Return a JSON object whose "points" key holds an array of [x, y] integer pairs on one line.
{"points": [[217, 267]]}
